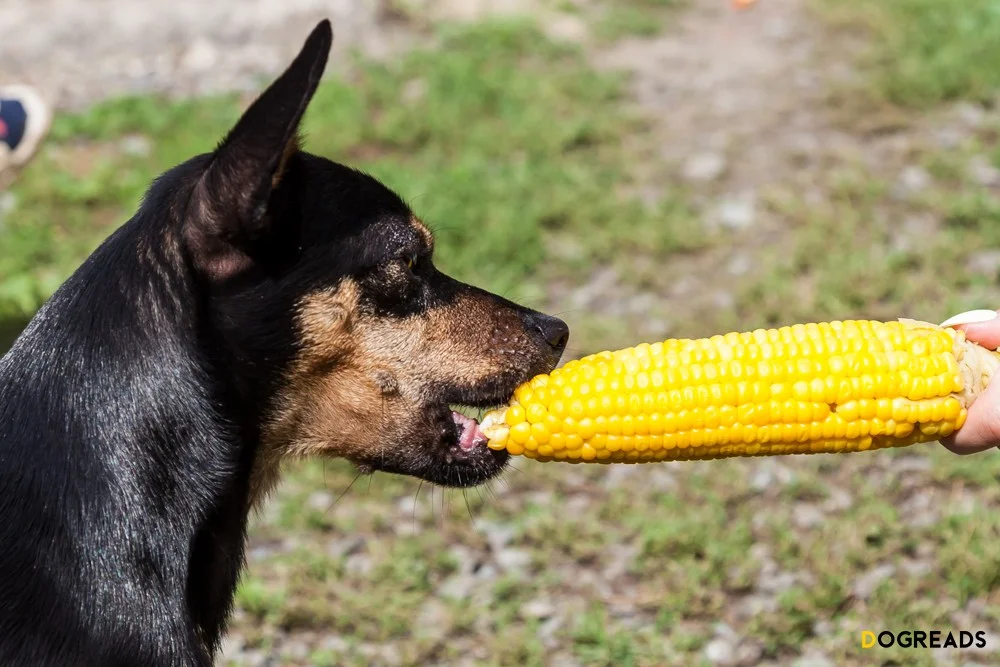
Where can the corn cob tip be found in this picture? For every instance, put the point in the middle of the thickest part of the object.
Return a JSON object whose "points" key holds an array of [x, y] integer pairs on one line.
{"points": [[494, 428]]}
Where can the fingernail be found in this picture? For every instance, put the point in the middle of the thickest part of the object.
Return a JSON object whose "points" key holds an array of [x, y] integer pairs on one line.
{"points": [[970, 317]]}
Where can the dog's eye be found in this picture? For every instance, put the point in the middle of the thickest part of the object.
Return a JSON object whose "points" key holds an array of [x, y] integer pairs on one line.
{"points": [[410, 261]]}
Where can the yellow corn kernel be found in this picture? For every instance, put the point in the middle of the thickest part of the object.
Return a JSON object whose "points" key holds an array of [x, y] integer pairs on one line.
{"points": [[821, 387]]}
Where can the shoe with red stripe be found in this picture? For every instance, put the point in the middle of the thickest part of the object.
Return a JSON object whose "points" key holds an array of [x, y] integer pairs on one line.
{"points": [[24, 121]]}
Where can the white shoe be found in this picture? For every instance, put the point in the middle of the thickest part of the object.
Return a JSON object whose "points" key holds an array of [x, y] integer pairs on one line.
{"points": [[25, 119]]}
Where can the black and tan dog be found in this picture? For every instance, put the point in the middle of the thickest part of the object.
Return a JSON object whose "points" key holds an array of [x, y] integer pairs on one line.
{"points": [[262, 303]]}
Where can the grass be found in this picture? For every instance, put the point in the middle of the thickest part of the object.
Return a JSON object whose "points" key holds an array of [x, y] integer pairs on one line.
{"points": [[465, 133], [635, 18], [924, 52], [559, 564]]}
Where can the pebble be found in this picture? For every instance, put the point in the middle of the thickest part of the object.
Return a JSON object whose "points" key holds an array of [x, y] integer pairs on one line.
{"points": [[433, 620], [912, 180], [720, 651], [866, 584], [497, 535], [136, 145], [458, 587], [513, 560], [985, 263], [538, 608], [736, 212], [201, 56], [807, 516], [983, 172], [704, 167], [814, 660]]}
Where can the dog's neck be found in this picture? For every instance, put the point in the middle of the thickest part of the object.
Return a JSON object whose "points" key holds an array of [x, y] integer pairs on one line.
{"points": [[136, 436]]}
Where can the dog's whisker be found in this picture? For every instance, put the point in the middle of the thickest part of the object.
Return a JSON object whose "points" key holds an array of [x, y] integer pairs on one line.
{"points": [[344, 492], [468, 507], [415, 498]]}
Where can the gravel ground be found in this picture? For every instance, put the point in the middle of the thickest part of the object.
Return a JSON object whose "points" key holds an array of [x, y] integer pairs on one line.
{"points": [[80, 51]]}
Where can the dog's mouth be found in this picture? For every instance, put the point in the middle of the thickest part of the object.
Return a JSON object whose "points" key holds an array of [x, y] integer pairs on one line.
{"points": [[469, 436]]}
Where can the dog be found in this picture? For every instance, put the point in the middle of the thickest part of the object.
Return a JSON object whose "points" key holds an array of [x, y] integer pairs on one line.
{"points": [[262, 303]]}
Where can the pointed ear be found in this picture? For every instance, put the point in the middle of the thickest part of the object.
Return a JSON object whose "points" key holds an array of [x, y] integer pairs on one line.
{"points": [[233, 199]]}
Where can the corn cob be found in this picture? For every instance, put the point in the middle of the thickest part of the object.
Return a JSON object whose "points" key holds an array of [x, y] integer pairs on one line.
{"points": [[808, 388]]}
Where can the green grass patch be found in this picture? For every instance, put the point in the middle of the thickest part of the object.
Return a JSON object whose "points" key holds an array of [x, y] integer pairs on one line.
{"points": [[499, 139], [634, 18], [923, 52]]}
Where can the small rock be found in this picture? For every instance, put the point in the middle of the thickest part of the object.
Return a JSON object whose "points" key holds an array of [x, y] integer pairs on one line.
{"points": [[563, 660], [201, 56], [740, 265], [913, 179], [704, 167], [970, 114], [807, 516], [335, 644], [814, 660], [601, 282], [720, 651], [737, 212], [320, 501], [497, 535], [414, 90], [982, 172], [136, 145], [296, 649], [778, 582], [723, 300], [345, 546], [539, 608], [358, 564], [837, 500], [642, 303], [566, 28], [916, 568], [911, 464], [749, 653], [457, 587], [433, 620], [822, 628], [232, 644], [513, 559], [949, 137], [865, 585], [755, 605], [547, 631], [618, 476], [770, 473], [985, 263]]}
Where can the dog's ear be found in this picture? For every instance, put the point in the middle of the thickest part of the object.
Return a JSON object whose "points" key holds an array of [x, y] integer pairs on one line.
{"points": [[232, 206]]}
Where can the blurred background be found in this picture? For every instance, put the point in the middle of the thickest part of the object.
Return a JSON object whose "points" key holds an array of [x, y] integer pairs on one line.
{"points": [[645, 169]]}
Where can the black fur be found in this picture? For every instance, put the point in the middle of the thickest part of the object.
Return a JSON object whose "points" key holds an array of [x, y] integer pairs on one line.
{"points": [[130, 406]]}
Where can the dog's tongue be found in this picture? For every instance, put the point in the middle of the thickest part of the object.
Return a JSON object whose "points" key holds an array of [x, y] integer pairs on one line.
{"points": [[469, 435]]}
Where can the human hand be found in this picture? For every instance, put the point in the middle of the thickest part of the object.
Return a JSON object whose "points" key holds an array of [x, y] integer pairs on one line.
{"points": [[981, 430]]}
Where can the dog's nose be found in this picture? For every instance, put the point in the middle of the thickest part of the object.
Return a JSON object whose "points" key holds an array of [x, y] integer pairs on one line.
{"points": [[553, 331]]}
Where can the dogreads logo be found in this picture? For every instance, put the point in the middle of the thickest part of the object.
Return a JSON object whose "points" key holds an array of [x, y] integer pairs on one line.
{"points": [[922, 639]]}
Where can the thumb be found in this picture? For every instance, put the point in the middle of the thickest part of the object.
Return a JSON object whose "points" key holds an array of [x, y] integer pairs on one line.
{"points": [[982, 427], [980, 326]]}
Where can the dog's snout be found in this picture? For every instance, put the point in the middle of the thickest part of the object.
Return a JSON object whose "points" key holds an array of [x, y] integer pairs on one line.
{"points": [[553, 331]]}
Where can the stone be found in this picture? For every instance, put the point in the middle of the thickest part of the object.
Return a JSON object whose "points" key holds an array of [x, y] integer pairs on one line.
{"points": [[866, 584], [720, 651], [704, 167]]}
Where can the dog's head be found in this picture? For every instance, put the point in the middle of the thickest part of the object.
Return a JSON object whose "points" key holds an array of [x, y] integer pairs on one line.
{"points": [[325, 307]]}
